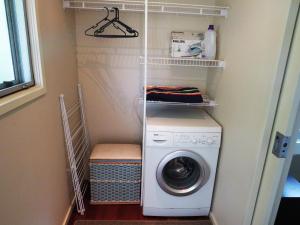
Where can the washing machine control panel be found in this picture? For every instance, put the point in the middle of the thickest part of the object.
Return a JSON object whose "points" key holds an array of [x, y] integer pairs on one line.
{"points": [[197, 139], [170, 139]]}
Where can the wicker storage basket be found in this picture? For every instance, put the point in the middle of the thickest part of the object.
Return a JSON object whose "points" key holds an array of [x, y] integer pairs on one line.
{"points": [[115, 174]]}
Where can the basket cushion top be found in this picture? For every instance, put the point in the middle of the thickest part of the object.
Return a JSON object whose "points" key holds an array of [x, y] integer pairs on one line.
{"points": [[116, 151]]}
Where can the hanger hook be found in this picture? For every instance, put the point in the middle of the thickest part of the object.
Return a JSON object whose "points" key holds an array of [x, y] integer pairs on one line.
{"points": [[116, 13], [107, 12]]}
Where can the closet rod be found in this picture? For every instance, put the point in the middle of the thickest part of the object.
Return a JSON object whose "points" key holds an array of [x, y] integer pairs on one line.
{"points": [[149, 3], [154, 7]]}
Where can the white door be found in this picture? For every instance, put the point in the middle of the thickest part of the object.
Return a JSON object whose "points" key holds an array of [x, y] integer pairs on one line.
{"points": [[287, 122]]}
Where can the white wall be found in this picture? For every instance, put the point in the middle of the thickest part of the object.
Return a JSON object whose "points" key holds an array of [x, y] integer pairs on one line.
{"points": [[112, 77], [250, 42], [110, 74], [34, 187]]}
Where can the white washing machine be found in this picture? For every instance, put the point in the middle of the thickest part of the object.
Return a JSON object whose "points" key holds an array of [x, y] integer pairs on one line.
{"points": [[181, 154]]}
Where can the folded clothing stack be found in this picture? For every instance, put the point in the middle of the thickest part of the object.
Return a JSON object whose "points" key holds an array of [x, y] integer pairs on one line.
{"points": [[174, 94]]}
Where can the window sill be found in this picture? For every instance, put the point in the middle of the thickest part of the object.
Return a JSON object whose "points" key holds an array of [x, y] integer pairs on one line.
{"points": [[20, 98]]}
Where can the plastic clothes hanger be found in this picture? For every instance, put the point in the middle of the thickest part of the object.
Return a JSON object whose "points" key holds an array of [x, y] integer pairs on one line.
{"points": [[97, 24], [127, 31]]}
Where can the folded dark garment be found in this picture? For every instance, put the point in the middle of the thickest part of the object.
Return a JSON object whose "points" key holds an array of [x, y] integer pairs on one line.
{"points": [[174, 94]]}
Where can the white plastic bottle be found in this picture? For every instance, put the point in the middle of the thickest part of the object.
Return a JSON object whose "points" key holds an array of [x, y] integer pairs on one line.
{"points": [[210, 42]]}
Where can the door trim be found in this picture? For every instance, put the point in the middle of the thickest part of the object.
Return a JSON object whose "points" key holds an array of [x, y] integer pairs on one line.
{"points": [[287, 164], [272, 106]]}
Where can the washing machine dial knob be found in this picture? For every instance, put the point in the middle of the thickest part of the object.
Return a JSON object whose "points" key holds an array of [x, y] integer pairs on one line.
{"points": [[209, 141], [194, 141]]}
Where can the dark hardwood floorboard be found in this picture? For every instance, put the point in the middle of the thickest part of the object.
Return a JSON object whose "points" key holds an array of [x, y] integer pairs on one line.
{"points": [[117, 212]]}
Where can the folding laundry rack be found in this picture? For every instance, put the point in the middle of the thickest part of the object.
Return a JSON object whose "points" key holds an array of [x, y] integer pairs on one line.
{"points": [[77, 146]]}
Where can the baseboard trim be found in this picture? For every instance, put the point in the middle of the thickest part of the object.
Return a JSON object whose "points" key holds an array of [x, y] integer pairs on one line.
{"points": [[69, 213], [213, 219]]}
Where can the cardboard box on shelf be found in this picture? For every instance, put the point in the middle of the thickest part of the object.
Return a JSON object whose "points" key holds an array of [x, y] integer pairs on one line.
{"points": [[187, 44]]}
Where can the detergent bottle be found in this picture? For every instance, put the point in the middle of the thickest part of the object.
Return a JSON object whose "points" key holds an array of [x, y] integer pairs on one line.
{"points": [[210, 42]]}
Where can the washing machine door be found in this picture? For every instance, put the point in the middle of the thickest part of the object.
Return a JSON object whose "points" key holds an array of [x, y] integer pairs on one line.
{"points": [[182, 173]]}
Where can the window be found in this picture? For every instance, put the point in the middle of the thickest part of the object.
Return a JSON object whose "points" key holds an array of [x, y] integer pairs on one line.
{"points": [[16, 71]]}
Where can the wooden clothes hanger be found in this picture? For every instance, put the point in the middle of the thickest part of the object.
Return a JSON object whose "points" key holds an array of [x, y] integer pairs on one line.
{"points": [[127, 31]]}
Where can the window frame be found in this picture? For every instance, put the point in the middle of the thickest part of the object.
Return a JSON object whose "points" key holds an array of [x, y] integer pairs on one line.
{"points": [[13, 101], [18, 84]]}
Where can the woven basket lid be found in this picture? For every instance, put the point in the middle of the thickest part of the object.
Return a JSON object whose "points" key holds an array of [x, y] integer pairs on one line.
{"points": [[116, 151]]}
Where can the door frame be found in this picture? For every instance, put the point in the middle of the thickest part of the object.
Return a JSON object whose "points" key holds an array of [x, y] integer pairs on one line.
{"points": [[275, 202], [273, 107]]}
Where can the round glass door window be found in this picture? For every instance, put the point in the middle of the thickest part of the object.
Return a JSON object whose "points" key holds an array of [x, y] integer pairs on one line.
{"points": [[182, 173]]}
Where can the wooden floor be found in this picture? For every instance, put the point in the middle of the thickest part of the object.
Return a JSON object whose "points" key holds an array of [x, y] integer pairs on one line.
{"points": [[118, 212]]}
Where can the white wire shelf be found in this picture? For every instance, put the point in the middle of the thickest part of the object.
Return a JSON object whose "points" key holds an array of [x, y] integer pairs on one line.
{"points": [[209, 104], [206, 103], [154, 7], [166, 61]]}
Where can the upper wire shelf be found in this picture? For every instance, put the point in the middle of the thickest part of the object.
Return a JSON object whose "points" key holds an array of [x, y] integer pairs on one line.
{"points": [[153, 7], [168, 61]]}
